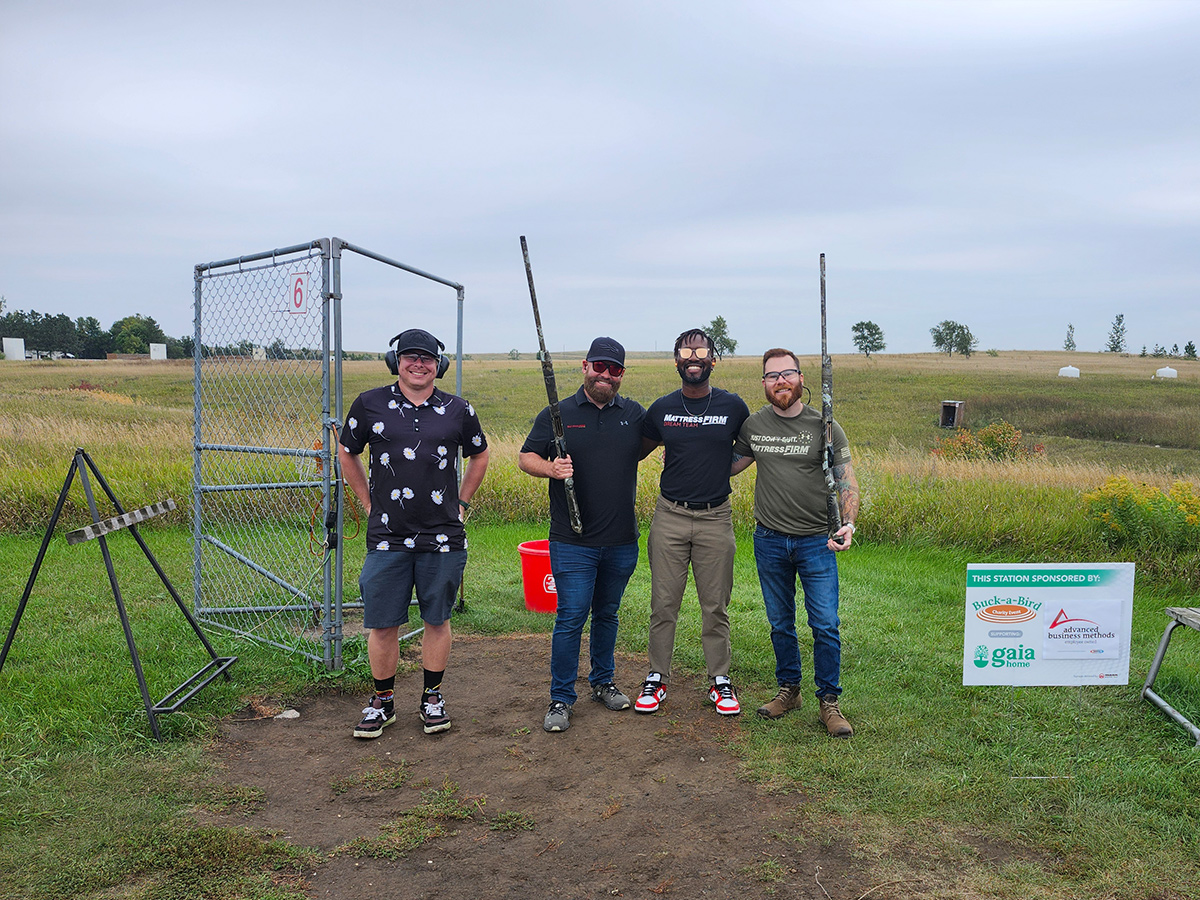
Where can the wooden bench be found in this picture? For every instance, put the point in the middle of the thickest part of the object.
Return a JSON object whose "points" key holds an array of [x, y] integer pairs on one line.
{"points": [[1190, 618]]}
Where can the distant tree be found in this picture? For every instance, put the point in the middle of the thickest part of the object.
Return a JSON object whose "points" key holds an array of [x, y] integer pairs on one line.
{"points": [[1159, 351], [868, 338], [135, 334], [1116, 336], [1174, 349], [514, 353], [1069, 343], [1189, 350], [1143, 353], [93, 341], [950, 337], [718, 330]]}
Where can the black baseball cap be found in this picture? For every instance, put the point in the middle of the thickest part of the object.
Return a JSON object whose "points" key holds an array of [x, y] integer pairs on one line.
{"points": [[607, 350], [417, 339]]}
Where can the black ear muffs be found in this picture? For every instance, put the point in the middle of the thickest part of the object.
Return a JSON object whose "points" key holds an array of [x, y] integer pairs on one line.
{"points": [[392, 362]]}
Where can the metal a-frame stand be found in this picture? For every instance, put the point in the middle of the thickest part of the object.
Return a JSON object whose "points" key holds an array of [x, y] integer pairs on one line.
{"points": [[218, 665]]}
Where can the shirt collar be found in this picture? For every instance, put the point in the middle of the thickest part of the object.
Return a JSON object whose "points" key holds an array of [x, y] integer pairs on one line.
{"points": [[437, 396]]}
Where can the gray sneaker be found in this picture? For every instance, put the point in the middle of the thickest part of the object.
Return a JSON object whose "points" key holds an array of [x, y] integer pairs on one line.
{"points": [[558, 717], [610, 696]]}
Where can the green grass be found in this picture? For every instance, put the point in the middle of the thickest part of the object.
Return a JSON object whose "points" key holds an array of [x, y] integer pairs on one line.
{"points": [[90, 805], [930, 763]]}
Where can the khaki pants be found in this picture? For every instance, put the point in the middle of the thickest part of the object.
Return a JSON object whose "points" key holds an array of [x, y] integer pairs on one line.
{"points": [[703, 538]]}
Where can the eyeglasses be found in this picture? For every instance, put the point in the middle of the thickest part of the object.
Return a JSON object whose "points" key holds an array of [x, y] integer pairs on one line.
{"points": [[599, 366], [786, 373], [692, 353], [423, 358]]}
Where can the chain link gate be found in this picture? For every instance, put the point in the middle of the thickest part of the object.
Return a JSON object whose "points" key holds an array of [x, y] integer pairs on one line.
{"points": [[266, 516]]}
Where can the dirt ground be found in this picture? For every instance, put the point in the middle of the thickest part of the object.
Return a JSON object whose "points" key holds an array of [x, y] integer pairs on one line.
{"points": [[621, 805]]}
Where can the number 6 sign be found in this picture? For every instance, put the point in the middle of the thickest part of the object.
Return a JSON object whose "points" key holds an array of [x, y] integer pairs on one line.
{"points": [[299, 303]]}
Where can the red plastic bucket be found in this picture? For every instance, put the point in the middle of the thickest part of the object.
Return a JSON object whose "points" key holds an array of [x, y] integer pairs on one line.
{"points": [[540, 593]]}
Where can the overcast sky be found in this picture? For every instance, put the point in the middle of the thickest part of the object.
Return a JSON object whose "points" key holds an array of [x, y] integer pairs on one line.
{"points": [[1014, 166]]}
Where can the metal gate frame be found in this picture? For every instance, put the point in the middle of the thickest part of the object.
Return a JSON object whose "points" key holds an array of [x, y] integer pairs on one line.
{"points": [[325, 458]]}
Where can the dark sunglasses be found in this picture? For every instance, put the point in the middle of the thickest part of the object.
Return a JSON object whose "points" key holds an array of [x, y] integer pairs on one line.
{"points": [[599, 366], [692, 353]]}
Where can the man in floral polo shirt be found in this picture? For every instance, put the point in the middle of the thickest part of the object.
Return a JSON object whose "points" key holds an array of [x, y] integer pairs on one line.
{"points": [[415, 505]]}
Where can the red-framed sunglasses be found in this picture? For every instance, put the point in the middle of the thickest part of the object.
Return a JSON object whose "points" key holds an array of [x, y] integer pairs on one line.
{"points": [[599, 366]]}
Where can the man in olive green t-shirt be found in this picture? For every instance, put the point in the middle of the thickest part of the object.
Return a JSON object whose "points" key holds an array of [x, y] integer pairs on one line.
{"points": [[792, 535]]}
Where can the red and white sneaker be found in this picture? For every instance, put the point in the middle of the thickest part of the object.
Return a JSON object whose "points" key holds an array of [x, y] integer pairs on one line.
{"points": [[651, 698], [723, 697]]}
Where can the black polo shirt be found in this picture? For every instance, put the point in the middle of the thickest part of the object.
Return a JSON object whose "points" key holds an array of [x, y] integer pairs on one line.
{"points": [[604, 445], [698, 435], [413, 480]]}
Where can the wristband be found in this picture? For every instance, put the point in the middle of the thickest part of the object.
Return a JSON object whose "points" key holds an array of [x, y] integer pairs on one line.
{"points": [[463, 503], [850, 525]]}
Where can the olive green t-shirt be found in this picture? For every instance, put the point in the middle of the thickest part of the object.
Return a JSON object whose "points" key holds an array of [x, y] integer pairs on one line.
{"points": [[789, 489]]}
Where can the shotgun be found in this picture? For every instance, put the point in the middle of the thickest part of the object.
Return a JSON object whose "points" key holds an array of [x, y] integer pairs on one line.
{"points": [[560, 441], [832, 506]]}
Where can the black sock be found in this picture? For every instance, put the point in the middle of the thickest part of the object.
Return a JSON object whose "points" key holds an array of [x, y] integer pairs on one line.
{"points": [[433, 681], [385, 689]]}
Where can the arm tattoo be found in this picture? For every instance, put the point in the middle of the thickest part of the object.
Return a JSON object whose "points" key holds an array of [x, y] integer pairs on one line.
{"points": [[847, 488]]}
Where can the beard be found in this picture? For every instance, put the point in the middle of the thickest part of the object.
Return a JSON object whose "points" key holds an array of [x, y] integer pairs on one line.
{"points": [[698, 378], [602, 391], [783, 398]]}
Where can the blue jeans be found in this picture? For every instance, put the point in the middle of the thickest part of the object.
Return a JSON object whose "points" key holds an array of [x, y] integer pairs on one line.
{"points": [[588, 579], [780, 558]]}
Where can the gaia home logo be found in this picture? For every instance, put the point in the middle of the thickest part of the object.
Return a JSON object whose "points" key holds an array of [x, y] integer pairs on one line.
{"points": [[1018, 657]]}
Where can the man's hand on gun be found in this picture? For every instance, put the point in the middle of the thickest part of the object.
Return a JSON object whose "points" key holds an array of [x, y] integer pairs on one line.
{"points": [[846, 535]]}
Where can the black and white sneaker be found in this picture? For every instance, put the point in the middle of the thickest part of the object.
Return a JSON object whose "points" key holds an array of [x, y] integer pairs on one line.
{"points": [[433, 713], [375, 717]]}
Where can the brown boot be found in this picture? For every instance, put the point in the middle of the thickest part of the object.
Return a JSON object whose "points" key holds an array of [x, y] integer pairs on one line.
{"points": [[835, 723], [789, 697]]}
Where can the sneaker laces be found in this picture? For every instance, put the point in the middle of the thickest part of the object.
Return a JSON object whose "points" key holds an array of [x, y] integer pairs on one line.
{"points": [[650, 687], [373, 712], [434, 704], [725, 690]]}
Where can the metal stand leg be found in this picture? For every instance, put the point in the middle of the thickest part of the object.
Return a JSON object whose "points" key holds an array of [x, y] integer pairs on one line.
{"points": [[1154, 698]]}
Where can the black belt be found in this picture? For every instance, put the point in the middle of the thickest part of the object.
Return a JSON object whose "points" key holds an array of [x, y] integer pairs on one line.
{"points": [[687, 504]]}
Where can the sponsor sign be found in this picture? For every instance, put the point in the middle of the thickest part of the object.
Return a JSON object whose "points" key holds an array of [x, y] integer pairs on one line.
{"points": [[1048, 623], [548, 585]]}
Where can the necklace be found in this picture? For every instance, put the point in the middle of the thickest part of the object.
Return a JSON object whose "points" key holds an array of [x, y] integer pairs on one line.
{"points": [[683, 401]]}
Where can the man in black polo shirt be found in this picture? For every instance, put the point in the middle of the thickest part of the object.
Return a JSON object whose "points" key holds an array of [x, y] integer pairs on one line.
{"points": [[604, 438], [415, 535], [693, 519]]}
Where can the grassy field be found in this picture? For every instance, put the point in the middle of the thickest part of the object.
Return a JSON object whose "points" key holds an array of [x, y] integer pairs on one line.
{"points": [[87, 800]]}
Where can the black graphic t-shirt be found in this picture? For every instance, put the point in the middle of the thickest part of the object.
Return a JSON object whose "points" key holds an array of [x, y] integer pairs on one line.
{"points": [[698, 438]]}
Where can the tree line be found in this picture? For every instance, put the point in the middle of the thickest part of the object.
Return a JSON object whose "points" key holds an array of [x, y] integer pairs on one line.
{"points": [[85, 337]]}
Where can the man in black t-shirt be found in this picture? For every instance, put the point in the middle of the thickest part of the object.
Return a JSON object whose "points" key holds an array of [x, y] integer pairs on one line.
{"points": [[693, 520], [603, 432], [414, 503]]}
